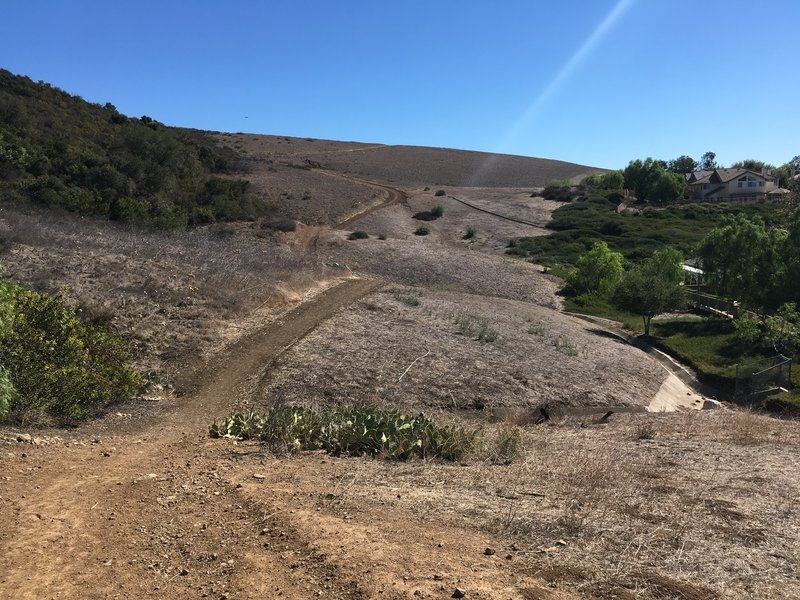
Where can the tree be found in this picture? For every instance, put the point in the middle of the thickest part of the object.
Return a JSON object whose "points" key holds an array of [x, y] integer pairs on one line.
{"points": [[667, 187], [653, 287], [744, 260], [708, 161], [649, 180], [598, 271], [779, 332], [752, 164], [613, 180], [682, 164]]}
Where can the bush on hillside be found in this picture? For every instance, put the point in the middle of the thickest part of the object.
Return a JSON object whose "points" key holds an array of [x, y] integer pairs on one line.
{"points": [[55, 365], [59, 150]]}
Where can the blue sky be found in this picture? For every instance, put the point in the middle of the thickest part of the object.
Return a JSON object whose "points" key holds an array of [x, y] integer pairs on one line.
{"points": [[597, 82]]}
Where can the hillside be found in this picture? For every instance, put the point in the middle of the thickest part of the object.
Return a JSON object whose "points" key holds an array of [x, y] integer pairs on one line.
{"points": [[60, 151], [295, 174]]}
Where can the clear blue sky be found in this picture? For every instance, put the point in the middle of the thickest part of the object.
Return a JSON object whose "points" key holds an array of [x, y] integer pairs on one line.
{"points": [[597, 82]]}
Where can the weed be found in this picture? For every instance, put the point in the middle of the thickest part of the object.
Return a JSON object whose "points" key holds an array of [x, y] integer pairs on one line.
{"points": [[439, 193], [358, 235], [486, 334], [480, 330], [644, 431], [565, 345], [507, 446], [407, 299], [470, 234], [437, 211], [536, 329], [422, 230]]}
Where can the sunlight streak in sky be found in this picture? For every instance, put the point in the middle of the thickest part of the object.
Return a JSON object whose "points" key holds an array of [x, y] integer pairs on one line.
{"points": [[527, 118]]}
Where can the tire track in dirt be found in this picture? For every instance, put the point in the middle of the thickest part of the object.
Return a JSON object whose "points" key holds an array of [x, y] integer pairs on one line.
{"points": [[494, 214], [393, 196], [149, 513]]}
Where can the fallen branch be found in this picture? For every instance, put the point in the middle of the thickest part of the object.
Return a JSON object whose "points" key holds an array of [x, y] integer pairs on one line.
{"points": [[399, 379]]}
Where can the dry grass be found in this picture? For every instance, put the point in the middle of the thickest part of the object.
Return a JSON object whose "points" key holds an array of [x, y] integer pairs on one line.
{"points": [[177, 294], [593, 511], [360, 355]]}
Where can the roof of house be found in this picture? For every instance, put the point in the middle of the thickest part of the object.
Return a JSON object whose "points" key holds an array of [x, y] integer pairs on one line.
{"points": [[723, 175]]}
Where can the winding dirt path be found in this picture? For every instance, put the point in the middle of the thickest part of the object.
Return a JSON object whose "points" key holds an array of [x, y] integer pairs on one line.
{"points": [[392, 196], [149, 513]]}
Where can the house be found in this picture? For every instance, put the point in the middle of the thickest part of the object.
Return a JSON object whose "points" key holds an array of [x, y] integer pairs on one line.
{"points": [[722, 185]]}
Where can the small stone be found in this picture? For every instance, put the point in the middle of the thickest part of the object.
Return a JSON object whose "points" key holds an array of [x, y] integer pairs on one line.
{"points": [[489, 551], [184, 572], [438, 577], [561, 543], [259, 476], [24, 438], [458, 593]]}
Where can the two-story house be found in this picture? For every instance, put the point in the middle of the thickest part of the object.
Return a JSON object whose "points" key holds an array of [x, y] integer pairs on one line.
{"points": [[730, 185]]}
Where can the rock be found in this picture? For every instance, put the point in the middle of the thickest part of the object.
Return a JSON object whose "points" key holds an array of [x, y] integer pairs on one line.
{"points": [[561, 543], [489, 551], [458, 593], [25, 438], [259, 476], [709, 404], [184, 572]]}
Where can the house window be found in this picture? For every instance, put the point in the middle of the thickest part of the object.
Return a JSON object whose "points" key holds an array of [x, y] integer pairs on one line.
{"points": [[760, 184]]}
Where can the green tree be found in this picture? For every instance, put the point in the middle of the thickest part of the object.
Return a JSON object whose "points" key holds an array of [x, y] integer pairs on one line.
{"points": [[650, 181], [779, 332], [598, 271], [708, 161], [682, 164], [744, 260], [613, 180], [653, 287], [752, 164]]}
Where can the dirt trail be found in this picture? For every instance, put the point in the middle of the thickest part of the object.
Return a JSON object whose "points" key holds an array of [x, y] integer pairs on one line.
{"points": [[149, 515], [393, 196]]}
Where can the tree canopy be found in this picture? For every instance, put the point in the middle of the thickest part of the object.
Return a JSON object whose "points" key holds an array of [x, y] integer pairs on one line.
{"points": [[650, 181], [598, 271], [653, 287], [745, 260]]}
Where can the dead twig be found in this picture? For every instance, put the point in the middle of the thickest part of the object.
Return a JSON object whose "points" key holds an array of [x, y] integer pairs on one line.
{"points": [[399, 379]]}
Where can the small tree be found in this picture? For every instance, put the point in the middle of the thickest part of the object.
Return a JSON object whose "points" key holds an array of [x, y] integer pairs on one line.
{"points": [[653, 287], [597, 271]]}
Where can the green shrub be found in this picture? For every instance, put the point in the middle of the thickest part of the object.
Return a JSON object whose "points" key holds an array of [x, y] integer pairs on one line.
{"points": [[358, 235], [55, 364], [422, 230], [470, 234], [349, 430], [7, 393], [439, 193], [437, 211]]}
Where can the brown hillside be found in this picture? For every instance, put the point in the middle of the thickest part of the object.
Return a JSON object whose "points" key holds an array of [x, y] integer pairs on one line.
{"points": [[298, 177]]}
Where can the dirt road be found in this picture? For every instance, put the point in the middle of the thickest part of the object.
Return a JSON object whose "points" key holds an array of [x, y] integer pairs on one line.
{"points": [[148, 514], [391, 196]]}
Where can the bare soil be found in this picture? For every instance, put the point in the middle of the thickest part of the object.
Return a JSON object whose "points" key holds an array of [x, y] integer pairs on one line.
{"points": [[141, 504]]}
